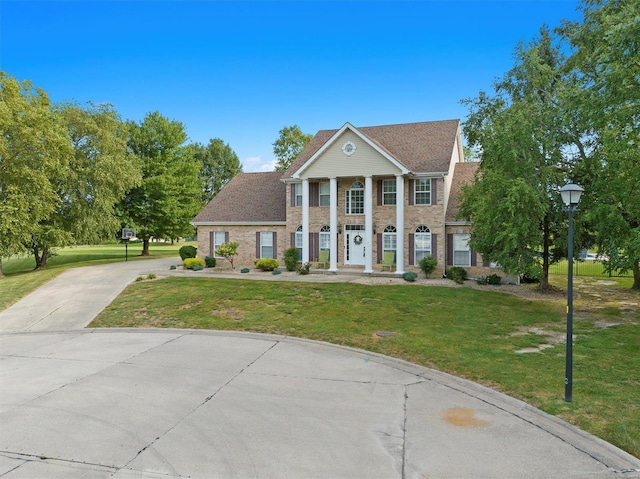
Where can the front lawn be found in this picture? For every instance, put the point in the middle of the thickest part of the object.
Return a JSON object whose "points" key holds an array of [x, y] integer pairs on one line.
{"points": [[476, 334]]}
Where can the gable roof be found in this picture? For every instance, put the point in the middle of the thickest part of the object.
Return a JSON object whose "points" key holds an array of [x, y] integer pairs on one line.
{"points": [[247, 198], [420, 147], [463, 174]]}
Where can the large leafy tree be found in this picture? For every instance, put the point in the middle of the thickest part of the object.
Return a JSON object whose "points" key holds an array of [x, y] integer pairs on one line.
{"points": [[606, 62], [96, 175], [34, 149], [524, 141], [170, 193], [218, 164], [291, 141]]}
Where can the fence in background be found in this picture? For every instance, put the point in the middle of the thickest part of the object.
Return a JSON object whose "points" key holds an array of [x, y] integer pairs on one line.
{"points": [[584, 268]]}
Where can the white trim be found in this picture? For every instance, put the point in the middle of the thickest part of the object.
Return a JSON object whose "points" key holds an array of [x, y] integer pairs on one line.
{"points": [[348, 126], [368, 224], [305, 221], [399, 224], [333, 223]]}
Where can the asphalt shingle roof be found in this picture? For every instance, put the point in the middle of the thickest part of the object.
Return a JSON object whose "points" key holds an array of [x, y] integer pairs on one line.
{"points": [[248, 198], [421, 147]]}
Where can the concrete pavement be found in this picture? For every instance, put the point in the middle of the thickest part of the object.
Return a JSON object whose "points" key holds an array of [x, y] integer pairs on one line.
{"points": [[171, 403]]}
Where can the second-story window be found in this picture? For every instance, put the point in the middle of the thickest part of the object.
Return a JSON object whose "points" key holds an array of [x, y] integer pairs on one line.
{"points": [[325, 197], [422, 191], [389, 192]]}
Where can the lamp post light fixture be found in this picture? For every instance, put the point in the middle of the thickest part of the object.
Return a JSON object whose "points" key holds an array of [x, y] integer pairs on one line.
{"points": [[571, 197]]}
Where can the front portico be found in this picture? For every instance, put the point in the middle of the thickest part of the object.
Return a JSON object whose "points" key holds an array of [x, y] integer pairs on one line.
{"points": [[341, 159]]}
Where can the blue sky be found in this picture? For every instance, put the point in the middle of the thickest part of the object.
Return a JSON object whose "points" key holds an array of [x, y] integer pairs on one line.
{"points": [[242, 70]]}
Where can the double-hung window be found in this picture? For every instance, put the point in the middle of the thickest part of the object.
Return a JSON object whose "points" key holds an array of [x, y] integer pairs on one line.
{"points": [[325, 196], [422, 191], [388, 192], [422, 243], [461, 250], [298, 194], [355, 199], [218, 240], [266, 244]]}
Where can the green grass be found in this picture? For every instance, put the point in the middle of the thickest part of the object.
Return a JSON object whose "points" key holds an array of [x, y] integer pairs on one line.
{"points": [[468, 333], [20, 278]]}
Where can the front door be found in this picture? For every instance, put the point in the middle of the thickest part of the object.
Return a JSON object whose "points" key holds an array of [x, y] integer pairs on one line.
{"points": [[354, 244]]}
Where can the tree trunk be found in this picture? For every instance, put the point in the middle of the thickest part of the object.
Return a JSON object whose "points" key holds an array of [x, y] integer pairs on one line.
{"points": [[41, 259], [544, 281], [145, 247], [636, 276], [1, 273]]}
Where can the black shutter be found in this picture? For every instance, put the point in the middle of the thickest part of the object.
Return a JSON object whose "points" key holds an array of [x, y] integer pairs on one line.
{"points": [[379, 193], [275, 245], [293, 240], [412, 189], [379, 241], [314, 194], [434, 191], [293, 195], [449, 250], [257, 244], [226, 236], [210, 243], [434, 245]]}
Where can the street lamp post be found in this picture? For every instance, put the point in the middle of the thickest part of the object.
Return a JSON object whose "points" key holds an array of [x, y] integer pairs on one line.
{"points": [[571, 197]]}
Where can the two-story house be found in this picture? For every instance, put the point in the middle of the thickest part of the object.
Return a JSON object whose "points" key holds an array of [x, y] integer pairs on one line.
{"points": [[356, 193]]}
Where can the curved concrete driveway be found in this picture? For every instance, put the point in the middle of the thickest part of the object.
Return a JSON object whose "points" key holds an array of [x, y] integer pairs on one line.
{"points": [[168, 403]]}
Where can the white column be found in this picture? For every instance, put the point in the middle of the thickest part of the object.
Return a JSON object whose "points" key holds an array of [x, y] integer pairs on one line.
{"points": [[305, 221], [399, 224], [333, 224], [368, 224]]}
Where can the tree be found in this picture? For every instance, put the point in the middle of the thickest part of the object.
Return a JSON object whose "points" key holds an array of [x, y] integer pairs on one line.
{"points": [[291, 141], [229, 251], [218, 164], [97, 175], [169, 195], [606, 62], [34, 149], [524, 140]]}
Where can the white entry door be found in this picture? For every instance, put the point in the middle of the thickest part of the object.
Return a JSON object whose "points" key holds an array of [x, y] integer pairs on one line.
{"points": [[354, 244]]}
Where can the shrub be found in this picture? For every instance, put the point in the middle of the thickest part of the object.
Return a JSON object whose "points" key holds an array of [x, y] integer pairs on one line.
{"points": [[494, 279], [276, 271], [428, 265], [266, 264], [188, 251], [410, 276], [191, 263], [197, 267], [210, 261], [291, 259], [173, 266], [304, 269], [151, 276], [229, 251], [457, 274], [244, 270]]}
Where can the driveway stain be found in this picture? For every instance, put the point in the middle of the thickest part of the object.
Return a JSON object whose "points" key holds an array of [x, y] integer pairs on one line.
{"points": [[463, 417]]}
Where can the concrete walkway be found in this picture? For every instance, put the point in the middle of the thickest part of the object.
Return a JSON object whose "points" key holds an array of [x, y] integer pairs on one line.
{"points": [[171, 403]]}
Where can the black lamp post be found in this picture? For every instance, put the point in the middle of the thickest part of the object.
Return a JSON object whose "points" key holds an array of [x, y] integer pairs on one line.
{"points": [[571, 197]]}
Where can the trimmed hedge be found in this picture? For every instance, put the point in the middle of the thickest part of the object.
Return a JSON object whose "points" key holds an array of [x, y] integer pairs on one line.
{"points": [[187, 251], [191, 263], [266, 264]]}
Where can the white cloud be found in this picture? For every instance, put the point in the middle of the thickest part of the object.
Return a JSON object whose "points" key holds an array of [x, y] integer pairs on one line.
{"points": [[256, 163]]}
